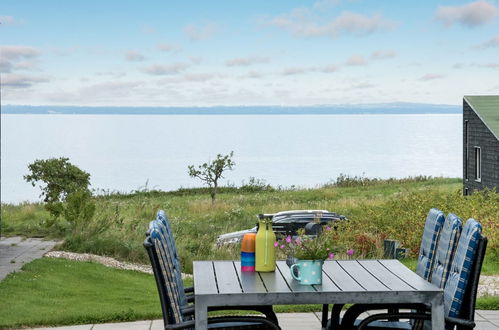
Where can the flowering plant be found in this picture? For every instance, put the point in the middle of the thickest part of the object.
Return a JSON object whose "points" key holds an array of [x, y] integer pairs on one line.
{"points": [[305, 247]]}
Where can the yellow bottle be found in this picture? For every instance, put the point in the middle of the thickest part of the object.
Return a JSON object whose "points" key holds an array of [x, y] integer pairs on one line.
{"points": [[265, 249]]}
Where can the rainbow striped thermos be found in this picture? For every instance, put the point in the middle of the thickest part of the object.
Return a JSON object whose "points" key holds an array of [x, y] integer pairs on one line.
{"points": [[248, 252]]}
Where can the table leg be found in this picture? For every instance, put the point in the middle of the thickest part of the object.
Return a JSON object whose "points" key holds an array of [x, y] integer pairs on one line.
{"points": [[437, 312], [201, 314]]}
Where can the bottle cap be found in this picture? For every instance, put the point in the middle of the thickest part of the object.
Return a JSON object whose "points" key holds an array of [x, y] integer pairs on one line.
{"points": [[248, 243]]}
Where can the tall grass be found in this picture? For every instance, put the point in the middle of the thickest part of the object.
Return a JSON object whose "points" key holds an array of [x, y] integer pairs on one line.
{"points": [[376, 209]]}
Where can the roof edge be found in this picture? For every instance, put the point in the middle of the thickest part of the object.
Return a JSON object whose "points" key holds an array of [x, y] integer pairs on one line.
{"points": [[476, 112]]}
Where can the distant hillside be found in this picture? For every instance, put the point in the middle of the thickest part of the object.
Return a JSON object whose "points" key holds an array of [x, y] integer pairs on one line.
{"points": [[380, 108]]}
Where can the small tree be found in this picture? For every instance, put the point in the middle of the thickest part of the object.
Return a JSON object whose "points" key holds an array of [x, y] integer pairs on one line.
{"points": [[60, 178], [210, 173]]}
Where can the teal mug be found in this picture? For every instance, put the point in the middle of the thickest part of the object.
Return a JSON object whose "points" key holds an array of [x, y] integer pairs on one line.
{"points": [[309, 271]]}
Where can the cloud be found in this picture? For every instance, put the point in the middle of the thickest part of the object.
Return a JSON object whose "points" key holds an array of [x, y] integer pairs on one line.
{"points": [[363, 85], [247, 61], [17, 57], [253, 75], [489, 65], [203, 32], [21, 81], [383, 54], [161, 70], [328, 68], [134, 56], [494, 42], [431, 76], [14, 53], [167, 47], [356, 60], [5, 66], [7, 20], [472, 14], [190, 78], [294, 71], [301, 24], [196, 59]]}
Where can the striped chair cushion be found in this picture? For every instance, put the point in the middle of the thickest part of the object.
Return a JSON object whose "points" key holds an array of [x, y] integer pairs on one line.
{"points": [[433, 225], [163, 226], [167, 267], [461, 267], [449, 235]]}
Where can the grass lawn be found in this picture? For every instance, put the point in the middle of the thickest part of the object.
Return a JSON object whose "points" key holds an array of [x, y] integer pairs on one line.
{"points": [[52, 292]]}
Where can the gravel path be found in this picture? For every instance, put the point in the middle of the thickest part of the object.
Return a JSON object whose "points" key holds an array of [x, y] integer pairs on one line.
{"points": [[489, 285]]}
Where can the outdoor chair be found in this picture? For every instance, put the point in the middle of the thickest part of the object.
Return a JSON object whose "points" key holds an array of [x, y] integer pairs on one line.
{"points": [[443, 256], [460, 288], [431, 233], [174, 298]]}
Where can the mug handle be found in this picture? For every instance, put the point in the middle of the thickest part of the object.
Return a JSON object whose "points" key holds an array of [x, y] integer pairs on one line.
{"points": [[292, 269]]}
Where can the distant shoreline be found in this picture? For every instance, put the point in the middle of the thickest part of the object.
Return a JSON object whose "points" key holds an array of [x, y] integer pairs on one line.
{"points": [[361, 109]]}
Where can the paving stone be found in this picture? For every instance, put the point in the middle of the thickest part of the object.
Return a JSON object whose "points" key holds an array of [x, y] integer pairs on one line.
{"points": [[15, 252], [157, 325], [139, 325]]}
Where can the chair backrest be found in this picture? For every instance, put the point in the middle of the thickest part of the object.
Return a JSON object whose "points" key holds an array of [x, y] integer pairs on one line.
{"points": [[433, 225], [169, 288], [164, 225], [446, 246], [463, 264]]}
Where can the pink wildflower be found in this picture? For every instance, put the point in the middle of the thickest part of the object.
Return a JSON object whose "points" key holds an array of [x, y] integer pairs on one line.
{"points": [[327, 249], [350, 252], [298, 241], [276, 244], [288, 239], [282, 246], [328, 227], [330, 255]]}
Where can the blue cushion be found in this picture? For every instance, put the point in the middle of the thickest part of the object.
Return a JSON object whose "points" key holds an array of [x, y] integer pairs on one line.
{"points": [[167, 268], [433, 225], [449, 236], [461, 266], [164, 225]]}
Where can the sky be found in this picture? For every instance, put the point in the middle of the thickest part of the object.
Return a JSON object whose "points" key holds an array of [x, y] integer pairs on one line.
{"points": [[209, 53]]}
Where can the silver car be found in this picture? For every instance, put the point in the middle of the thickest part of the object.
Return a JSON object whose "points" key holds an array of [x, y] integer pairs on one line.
{"points": [[286, 223]]}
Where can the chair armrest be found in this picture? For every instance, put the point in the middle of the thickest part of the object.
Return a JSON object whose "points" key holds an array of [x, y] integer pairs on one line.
{"points": [[267, 310], [458, 321], [385, 316], [354, 312], [224, 319]]}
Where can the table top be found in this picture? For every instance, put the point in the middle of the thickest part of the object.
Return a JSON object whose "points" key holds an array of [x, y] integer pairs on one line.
{"points": [[343, 277]]}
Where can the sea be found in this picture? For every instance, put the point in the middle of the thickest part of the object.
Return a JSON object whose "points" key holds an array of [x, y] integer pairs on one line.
{"points": [[129, 152]]}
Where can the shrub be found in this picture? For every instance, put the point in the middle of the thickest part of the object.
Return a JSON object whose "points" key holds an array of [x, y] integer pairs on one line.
{"points": [[60, 178]]}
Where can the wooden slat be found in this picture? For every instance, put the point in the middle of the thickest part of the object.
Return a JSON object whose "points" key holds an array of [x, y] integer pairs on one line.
{"points": [[407, 275], [342, 279], [227, 278], [295, 286], [250, 281], [384, 275], [274, 282], [205, 278], [361, 276]]}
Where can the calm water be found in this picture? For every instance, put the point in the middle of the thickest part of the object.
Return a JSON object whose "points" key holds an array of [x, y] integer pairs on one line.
{"points": [[123, 152]]}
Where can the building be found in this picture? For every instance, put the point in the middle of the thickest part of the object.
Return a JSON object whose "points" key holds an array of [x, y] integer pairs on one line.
{"points": [[480, 143]]}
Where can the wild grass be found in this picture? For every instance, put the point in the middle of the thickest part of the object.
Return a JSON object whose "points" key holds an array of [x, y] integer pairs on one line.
{"points": [[376, 209]]}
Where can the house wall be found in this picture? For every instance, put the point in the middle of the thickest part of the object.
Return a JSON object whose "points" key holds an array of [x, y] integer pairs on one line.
{"points": [[480, 136]]}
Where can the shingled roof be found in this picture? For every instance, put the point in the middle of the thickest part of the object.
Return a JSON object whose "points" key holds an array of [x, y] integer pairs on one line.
{"points": [[487, 109]]}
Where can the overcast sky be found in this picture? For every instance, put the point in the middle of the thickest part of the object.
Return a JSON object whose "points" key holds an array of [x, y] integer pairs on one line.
{"points": [[203, 53]]}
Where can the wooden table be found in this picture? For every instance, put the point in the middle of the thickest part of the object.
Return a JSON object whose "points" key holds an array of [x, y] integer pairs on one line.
{"points": [[221, 283]]}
